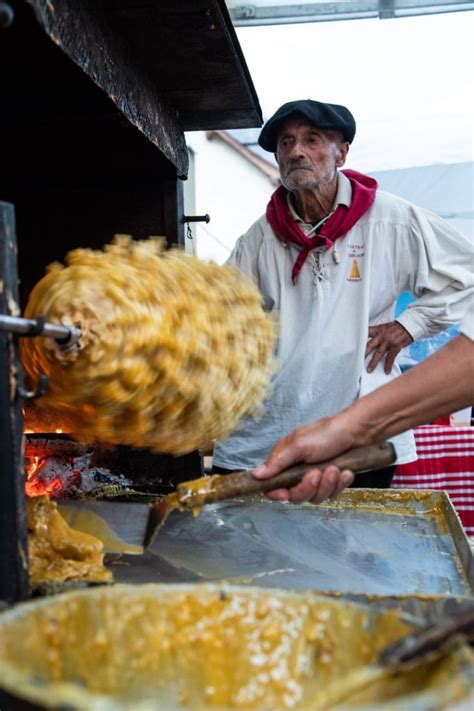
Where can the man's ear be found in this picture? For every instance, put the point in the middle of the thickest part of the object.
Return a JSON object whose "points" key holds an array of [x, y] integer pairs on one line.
{"points": [[343, 150]]}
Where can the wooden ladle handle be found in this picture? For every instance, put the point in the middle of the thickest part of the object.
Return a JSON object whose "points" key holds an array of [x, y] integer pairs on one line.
{"points": [[243, 483]]}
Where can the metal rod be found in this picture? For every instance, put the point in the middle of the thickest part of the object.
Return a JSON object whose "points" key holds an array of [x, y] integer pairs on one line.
{"points": [[66, 335], [196, 218]]}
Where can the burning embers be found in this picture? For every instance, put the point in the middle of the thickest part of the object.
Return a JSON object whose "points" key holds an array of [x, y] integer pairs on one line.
{"points": [[45, 476], [62, 468], [58, 466]]}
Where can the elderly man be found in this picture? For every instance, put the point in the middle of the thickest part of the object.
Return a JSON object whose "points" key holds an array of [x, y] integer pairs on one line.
{"points": [[331, 255]]}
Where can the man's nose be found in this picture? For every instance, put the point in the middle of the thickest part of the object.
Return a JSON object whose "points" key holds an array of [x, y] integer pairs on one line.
{"points": [[297, 150]]}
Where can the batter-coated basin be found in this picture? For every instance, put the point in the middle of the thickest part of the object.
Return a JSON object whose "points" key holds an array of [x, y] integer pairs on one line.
{"points": [[143, 647]]}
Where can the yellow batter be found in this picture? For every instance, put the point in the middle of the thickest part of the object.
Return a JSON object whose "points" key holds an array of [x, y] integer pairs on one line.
{"points": [[174, 351], [163, 646], [58, 552]]}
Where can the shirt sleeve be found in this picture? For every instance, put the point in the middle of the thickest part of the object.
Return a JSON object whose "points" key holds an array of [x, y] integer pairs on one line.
{"points": [[467, 326], [246, 257], [246, 252], [440, 275]]}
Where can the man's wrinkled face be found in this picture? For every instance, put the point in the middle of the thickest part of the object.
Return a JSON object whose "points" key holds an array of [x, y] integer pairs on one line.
{"points": [[308, 157]]}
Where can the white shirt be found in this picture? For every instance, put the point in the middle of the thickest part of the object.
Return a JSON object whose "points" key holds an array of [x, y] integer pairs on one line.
{"points": [[324, 317]]}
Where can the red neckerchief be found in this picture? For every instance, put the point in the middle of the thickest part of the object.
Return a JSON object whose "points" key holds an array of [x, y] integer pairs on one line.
{"points": [[337, 225]]}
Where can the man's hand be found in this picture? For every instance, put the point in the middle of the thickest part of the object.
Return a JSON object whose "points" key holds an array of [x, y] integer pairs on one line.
{"points": [[314, 443], [387, 340]]}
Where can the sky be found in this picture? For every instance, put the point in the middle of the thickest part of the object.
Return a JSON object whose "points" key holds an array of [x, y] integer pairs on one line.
{"points": [[409, 82]]}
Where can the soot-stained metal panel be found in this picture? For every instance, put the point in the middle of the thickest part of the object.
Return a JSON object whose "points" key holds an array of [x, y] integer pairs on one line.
{"points": [[85, 35]]}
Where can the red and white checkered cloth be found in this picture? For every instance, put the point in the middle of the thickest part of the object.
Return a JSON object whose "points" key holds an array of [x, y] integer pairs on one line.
{"points": [[445, 461]]}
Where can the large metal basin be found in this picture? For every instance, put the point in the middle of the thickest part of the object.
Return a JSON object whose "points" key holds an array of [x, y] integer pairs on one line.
{"points": [[144, 647]]}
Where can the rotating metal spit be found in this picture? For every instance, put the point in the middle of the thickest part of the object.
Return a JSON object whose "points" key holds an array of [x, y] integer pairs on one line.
{"points": [[67, 337]]}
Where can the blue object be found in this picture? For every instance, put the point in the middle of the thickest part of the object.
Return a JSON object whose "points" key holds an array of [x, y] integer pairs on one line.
{"points": [[418, 351], [402, 302]]}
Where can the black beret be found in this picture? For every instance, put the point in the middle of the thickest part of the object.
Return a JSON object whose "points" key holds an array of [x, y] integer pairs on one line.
{"points": [[324, 116]]}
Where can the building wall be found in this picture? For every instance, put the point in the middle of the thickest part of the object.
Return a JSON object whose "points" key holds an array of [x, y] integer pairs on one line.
{"points": [[230, 189]]}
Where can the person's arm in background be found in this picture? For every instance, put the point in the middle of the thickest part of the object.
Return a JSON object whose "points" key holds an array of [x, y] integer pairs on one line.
{"points": [[439, 386]]}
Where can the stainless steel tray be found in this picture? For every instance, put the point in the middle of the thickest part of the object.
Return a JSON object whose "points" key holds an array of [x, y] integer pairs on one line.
{"points": [[369, 542]]}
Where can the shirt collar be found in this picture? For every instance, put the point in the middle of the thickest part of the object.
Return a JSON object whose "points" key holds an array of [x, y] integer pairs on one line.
{"points": [[343, 197]]}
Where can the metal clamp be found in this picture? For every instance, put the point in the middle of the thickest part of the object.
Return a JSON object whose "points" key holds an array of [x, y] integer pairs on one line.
{"points": [[36, 327], [41, 388]]}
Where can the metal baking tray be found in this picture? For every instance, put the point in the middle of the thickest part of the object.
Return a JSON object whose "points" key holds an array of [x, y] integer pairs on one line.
{"points": [[370, 542]]}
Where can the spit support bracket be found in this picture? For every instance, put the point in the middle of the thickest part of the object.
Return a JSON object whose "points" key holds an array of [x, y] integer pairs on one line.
{"points": [[39, 391], [187, 219], [67, 337], [196, 218]]}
